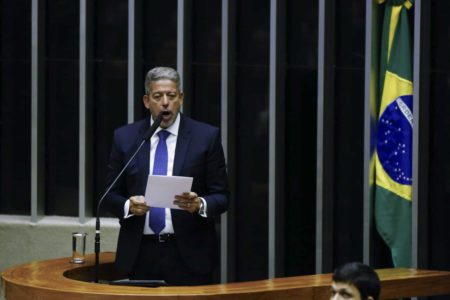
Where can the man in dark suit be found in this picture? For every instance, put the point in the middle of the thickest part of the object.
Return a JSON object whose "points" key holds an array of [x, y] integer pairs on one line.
{"points": [[175, 245]]}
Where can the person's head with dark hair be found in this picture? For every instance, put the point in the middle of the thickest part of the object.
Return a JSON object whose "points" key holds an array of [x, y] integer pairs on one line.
{"points": [[355, 281]]}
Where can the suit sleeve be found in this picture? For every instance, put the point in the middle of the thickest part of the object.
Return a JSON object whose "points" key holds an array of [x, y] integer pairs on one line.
{"points": [[216, 178]]}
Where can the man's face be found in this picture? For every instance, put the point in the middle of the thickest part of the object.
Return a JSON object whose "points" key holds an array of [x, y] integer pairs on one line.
{"points": [[342, 290], [164, 97]]}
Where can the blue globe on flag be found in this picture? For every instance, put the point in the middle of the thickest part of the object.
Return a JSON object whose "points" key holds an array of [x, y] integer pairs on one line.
{"points": [[394, 139]]}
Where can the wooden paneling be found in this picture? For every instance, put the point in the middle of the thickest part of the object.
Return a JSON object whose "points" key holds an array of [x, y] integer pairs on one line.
{"points": [[50, 280]]}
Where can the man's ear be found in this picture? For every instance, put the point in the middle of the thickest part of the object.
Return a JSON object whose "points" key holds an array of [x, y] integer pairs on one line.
{"points": [[181, 96], [146, 100], [369, 298]]}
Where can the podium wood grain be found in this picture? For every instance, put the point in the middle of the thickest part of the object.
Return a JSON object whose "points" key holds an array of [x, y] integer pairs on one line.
{"points": [[59, 279]]}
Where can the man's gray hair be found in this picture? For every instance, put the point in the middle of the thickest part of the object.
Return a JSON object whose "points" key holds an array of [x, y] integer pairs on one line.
{"points": [[161, 73]]}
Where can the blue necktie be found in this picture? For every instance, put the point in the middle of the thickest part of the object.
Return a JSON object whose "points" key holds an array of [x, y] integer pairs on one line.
{"points": [[157, 220]]}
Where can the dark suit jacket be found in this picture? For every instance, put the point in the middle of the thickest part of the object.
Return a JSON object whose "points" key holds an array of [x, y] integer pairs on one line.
{"points": [[198, 154]]}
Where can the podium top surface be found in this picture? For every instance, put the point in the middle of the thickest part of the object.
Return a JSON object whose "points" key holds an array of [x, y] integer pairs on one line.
{"points": [[60, 279]]}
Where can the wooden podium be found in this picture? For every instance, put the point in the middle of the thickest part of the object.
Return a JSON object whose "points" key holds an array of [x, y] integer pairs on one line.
{"points": [[59, 279]]}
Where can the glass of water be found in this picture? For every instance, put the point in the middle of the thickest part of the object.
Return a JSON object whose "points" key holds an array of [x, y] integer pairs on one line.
{"points": [[78, 247]]}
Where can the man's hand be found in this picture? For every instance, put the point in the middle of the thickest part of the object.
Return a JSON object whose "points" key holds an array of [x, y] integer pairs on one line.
{"points": [[138, 206], [188, 201]]}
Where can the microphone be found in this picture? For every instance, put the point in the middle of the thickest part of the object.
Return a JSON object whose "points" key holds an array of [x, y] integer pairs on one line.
{"points": [[145, 138], [153, 128]]}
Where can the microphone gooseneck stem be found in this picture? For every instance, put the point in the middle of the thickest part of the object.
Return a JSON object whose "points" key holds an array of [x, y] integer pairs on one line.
{"points": [[97, 221], [146, 137]]}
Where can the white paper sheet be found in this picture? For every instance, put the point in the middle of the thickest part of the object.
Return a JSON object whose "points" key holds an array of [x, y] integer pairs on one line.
{"points": [[161, 190]]}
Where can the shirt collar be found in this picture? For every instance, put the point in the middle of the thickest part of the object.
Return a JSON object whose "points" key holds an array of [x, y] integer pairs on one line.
{"points": [[173, 129]]}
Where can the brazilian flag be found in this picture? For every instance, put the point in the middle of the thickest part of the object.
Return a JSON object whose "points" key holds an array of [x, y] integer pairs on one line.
{"points": [[393, 156]]}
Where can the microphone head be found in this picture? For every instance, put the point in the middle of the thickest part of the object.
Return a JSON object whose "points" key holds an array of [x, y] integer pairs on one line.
{"points": [[153, 128], [158, 119]]}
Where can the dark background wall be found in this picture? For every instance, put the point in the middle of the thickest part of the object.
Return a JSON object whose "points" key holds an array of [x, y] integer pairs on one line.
{"points": [[439, 136], [248, 149]]}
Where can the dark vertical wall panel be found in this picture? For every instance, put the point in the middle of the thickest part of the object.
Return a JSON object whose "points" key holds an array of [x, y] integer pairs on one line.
{"points": [[300, 124], [251, 148], [439, 138], [159, 21], [15, 104], [349, 131], [159, 43], [110, 80], [62, 89], [206, 56], [439, 177]]}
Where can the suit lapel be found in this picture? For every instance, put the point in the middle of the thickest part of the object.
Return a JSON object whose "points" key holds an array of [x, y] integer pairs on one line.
{"points": [[183, 141]]}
